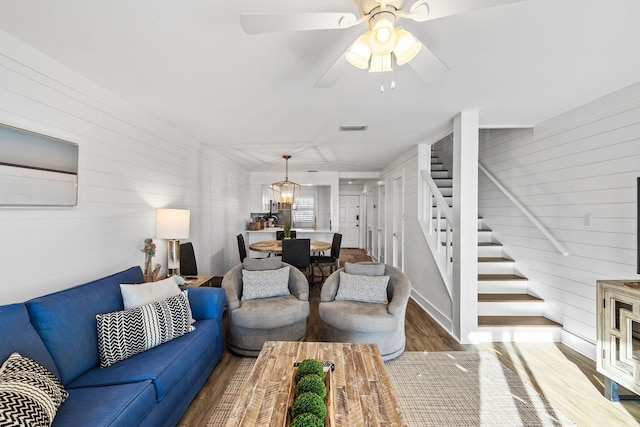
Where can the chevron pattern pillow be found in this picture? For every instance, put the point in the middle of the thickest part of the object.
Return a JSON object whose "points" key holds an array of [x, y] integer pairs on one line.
{"points": [[122, 334], [30, 395]]}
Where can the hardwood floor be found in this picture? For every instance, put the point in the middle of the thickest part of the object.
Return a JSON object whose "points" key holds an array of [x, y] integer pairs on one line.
{"points": [[568, 379]]}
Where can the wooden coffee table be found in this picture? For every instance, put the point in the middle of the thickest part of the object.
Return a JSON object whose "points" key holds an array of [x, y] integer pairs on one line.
{"points": [[363, 394]]}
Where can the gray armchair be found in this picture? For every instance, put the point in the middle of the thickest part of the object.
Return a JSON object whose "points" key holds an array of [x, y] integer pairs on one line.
{"points": [[365, 322], [277, 318]]}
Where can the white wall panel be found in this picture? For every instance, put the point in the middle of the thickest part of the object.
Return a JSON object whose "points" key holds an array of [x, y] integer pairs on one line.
{"points": [[130, 163], [582, 168]]}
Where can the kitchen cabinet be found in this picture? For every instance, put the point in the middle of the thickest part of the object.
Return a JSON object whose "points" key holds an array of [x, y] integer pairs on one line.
{"points": [[261, 196]]}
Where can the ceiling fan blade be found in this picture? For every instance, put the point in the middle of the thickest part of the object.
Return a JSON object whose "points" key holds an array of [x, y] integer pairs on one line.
{"points": [[333, 73], [258, 23], [428, 66], [427, 10]]}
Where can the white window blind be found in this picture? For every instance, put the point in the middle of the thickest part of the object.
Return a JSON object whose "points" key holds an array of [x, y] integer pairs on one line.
{"points": [[306, 208]]}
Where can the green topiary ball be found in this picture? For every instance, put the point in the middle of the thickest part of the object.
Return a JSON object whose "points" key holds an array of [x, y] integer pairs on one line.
{"points": [[309, 403], [307, 420], [312, 383], [309, 366]]}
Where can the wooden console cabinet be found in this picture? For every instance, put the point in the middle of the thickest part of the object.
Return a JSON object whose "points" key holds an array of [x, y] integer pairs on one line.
{"points": [[618, 335]]}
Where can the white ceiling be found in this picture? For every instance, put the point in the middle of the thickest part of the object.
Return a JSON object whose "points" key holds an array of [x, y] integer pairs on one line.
{"points": [[189, 63]]}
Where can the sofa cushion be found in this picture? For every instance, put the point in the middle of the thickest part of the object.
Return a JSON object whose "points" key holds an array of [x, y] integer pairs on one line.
{"points": [[256, 264], [165, 364], [29, 393], [356, 287], [357, 316], [125, 333], [18, 335], [265, 284], [269, 313], [365, 268], [113, 405], [136, 295], [66, 320]]}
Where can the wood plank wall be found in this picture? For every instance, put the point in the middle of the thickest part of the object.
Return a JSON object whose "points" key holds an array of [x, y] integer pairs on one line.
{"points": [[579, 180], [130, 164]]}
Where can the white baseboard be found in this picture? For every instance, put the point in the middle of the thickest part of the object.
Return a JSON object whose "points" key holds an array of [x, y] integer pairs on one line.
{"points": [[579, 344], [436, 314]]}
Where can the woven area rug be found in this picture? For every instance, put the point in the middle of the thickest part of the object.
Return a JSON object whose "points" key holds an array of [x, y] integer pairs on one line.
{"points": [[458, 388]]}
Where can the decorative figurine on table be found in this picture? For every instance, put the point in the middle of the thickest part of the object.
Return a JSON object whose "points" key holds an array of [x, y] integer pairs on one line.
{"points": [[149, 251]]}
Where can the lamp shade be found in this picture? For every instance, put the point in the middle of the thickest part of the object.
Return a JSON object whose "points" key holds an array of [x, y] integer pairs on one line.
{"points": [[380, 63], [406, 48], [383, 34], [172, 223], [359, 53]]}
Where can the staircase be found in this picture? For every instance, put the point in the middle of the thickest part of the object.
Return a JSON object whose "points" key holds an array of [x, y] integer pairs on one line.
{"points": [[506, 309]]}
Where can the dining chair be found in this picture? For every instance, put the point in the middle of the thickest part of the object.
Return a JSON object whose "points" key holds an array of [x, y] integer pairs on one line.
{"points": [[242, 249], [280, 234], [188, 266], [332, 261], [297, 252]]}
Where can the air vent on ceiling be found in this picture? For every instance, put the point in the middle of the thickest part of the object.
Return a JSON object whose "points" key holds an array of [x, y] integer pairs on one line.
{"points": [[353, 128]]}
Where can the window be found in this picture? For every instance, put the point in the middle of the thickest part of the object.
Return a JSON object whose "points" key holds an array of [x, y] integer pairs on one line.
{"points": [[305, 213]]}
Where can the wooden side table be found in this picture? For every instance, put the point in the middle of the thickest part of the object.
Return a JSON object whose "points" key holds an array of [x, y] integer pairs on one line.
{"points": [[196, 281]]}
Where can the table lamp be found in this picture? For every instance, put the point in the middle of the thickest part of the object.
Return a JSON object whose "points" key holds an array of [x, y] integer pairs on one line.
{"points": [[172, 224]]}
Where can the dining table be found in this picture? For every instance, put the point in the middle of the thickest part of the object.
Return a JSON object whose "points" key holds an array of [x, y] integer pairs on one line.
{"points": [[275, 246]]}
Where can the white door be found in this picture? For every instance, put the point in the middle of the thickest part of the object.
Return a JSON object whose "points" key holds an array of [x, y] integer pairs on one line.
{"points": [[382, 215], [349, 207], [397, 222]]}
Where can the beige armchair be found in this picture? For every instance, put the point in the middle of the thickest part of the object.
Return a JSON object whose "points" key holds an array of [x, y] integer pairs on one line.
{"points": [[367, 322], [276, 318]]}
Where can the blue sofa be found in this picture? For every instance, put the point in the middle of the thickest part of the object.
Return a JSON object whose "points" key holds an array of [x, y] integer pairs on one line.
{"points": [[153, 388]]}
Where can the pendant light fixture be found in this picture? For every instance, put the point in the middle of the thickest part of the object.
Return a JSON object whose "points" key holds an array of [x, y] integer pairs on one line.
{"points": [[286, 192]]}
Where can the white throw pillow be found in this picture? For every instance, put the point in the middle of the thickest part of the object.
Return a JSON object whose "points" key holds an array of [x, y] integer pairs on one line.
{"points": [[265, 284], [145, 293], [356, 287]]}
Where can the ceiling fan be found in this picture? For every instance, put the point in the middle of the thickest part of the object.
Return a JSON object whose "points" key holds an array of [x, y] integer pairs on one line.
{"points": [[383, 44]]}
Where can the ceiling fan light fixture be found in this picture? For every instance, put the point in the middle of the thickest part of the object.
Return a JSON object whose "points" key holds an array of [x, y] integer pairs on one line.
{"points": [[359, 53], [383, 33], [406, 48], [380, 63]]}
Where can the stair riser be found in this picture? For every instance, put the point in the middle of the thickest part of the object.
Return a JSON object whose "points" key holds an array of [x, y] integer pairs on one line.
{"points": [[496, 268], [503, 287], [528, 308], [446, 191], [522, 334], [442, 182], [484, 236], [437, 167], [489, 251], [437, 174]]}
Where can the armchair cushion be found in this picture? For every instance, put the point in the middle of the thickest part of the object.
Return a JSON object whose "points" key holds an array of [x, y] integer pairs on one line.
{"points": [[258, 264], [365, 268], [359, 317], [356, 287], [270, 313], [265, 284]]}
